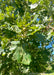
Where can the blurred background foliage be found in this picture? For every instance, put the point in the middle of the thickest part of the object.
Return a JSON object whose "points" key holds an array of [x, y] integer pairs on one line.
{"points": [[26, 36]]}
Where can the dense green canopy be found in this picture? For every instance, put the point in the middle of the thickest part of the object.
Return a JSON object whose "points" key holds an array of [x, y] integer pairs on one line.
{"points": [[26, 27]]}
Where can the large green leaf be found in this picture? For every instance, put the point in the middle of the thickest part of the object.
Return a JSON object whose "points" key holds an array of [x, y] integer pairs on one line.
{"points": [[18, 54], [26, 59]]}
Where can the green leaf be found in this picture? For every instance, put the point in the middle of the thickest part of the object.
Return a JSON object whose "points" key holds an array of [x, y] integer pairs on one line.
{"points": [[53, 45], [26, 59], [41, 2], [1, 50], [33, 1], [13, 47], [18, 54], [35, 17], [1, 16], [33, 27], [15, 42], [52, 33]]}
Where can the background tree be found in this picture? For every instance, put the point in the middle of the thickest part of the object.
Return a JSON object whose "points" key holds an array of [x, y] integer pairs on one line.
{"points": [[24, 33]]}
